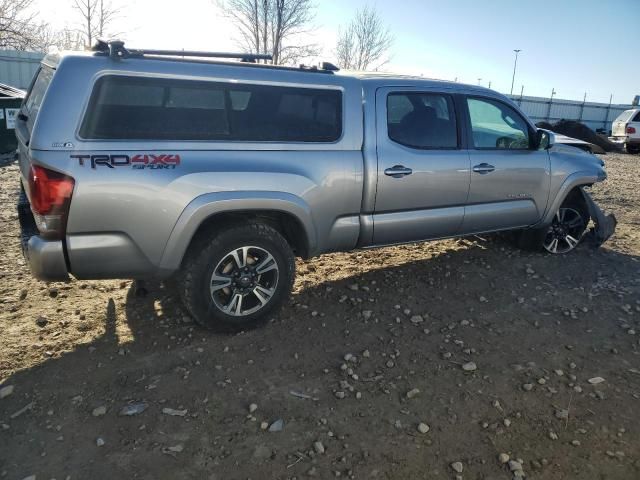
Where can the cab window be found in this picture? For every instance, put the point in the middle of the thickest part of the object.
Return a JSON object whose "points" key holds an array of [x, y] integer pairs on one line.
{"points": [[422, 120], [495, 125]]}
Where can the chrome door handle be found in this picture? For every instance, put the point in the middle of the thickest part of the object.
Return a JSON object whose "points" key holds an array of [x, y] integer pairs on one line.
{"points": [[398, 171], [483, 168]]}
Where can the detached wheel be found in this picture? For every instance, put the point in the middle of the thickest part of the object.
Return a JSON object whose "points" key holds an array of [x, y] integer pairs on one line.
{"points": [[238, 278], [565, 232]]}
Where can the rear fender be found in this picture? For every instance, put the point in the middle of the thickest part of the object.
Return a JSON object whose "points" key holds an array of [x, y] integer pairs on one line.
{"points": [[207, 205]]}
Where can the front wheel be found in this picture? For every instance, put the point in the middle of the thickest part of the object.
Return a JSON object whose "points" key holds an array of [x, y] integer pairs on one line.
{"points": [[240, 276], [565, 232]]}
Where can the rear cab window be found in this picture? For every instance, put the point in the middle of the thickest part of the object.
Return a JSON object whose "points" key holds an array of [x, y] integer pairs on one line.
{"points": [[139, 108]]}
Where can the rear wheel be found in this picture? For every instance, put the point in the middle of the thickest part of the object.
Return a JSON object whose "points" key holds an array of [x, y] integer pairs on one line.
{"points": [[237, 278], [631, 148]]}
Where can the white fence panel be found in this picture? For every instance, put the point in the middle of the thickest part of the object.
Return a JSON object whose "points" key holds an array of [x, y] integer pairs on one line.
{"points": [[17, 68], [593, 114]]}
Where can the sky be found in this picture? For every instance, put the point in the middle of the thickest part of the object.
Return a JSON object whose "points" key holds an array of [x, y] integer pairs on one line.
{"points": [[571, 46]]}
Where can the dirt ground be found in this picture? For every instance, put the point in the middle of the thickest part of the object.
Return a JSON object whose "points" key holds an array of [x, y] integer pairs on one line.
{"points": [[337, 366]]}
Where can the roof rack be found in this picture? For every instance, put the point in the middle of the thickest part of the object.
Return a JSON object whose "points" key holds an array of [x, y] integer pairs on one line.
{"points": [[115, 49]]}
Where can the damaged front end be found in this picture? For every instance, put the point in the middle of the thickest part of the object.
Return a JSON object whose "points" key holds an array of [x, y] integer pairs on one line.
{"points": [[604, 223]]}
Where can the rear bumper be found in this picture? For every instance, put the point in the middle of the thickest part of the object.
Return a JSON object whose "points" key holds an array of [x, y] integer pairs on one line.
{"points": [[623, 140], [46, 258]]}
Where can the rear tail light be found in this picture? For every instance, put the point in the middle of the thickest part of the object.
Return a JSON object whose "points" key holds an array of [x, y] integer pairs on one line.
{"points": [[50, 198], [631, 130]]}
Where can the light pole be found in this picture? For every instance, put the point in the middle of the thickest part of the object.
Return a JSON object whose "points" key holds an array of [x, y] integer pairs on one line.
{"points": [[515, 63]]}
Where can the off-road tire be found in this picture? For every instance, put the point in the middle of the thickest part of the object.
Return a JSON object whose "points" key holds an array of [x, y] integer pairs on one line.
{"points": [[194, 278]]}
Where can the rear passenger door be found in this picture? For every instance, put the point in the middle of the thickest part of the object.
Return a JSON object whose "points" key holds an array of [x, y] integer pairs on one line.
{"points": [[423, 173], [509, 179]]}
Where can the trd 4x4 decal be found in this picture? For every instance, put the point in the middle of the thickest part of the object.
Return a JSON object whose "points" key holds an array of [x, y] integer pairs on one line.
{"points": [[139, 161]]}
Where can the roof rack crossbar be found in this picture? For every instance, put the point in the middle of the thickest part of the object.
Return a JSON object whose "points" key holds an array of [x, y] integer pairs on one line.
{"points": [[245, 57], [116, 49]]}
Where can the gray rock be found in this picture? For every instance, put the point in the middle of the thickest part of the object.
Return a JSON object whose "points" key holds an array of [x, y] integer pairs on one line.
{"points": [[277, 426], [99, 442], [414, 392], [469, 367], [99, 411], [515, 466], [253, 407], [133, 409], [174, 413], [457, 467], [318, 447], [423, 427], [503, 458]]}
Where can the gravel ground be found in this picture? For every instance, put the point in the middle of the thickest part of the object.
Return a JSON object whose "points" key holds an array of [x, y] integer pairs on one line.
{"points": [[454, 358]]}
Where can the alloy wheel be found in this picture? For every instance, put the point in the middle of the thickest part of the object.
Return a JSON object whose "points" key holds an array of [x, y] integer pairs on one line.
{"points": [[565, 232], [244, 281]]}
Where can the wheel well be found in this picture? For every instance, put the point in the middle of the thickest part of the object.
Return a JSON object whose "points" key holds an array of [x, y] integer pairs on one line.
{"points": [[576, 198], [285, 223]]}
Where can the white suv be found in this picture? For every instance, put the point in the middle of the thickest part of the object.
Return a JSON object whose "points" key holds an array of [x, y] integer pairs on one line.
{"points": [[626, 130]]}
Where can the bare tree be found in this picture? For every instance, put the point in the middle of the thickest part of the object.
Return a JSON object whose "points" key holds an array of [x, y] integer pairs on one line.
{"points": [[97, 17], [365, 43], [274, 27], [21, 29], [18, 24], [65, 39]]}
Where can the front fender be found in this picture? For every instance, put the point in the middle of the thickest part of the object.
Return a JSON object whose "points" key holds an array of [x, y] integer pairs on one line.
{"points": [[576, 179], [209, 204]]}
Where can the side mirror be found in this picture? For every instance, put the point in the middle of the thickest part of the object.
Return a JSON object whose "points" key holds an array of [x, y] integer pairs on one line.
{"points": [[544, 139]]}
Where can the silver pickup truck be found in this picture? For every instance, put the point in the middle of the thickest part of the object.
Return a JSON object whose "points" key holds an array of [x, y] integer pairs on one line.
{"points": [[218, 173]]}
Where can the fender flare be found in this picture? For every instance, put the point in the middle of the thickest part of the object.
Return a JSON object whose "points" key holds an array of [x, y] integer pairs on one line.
{"points": [[576, 179], [209, 204]]}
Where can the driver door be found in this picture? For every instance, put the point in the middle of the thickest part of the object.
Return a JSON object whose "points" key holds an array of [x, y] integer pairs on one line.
{"points": [[509, 180]]}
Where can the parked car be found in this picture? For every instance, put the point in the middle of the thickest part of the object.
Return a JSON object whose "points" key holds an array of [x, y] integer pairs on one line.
{"points": [[140, 164], [626, 130]]}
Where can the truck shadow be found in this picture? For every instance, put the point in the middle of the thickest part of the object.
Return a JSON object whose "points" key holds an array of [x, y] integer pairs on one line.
{"points": [[151, 352]]}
